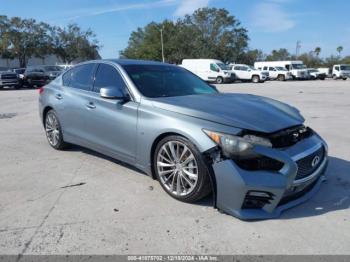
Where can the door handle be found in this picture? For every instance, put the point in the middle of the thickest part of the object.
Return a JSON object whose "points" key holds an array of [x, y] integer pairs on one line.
{"points": [[90, 105], [59, 96]]}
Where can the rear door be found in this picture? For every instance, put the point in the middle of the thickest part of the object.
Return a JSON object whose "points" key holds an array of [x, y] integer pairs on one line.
{"points": [[112, 123], [74, 99]]}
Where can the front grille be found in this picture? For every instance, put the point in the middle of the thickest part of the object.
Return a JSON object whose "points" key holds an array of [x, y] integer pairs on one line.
{"points": [[308, 165], [8, 76]]}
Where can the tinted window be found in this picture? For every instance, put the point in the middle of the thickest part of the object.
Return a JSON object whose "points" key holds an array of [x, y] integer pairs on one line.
{"points": [[271, 69], [164, 80], [265, 67], [213, 67], [81, 77], [107, 76], [238, 68]]}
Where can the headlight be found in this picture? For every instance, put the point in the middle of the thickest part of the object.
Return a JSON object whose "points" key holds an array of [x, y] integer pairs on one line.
{"points": [[235, 146]]}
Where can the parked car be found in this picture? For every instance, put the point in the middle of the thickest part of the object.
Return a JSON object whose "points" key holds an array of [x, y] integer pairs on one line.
{"points": [[20, 75], [209, 70], [341, 72], [65, 67], [8, 79], [296, 68], [315, 74], [248, 73], [40, 75], [253, 152], [276, 72]]}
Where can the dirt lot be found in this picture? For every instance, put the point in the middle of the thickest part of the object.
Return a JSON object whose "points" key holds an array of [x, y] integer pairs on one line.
{"points": [[113, 209]]}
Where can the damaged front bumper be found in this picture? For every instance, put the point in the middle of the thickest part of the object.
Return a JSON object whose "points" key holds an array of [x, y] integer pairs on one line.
{"points": [[265, 194]]}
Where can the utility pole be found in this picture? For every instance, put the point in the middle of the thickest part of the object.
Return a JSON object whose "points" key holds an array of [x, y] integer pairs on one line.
{"points": [[297, 49], [161, 40]]}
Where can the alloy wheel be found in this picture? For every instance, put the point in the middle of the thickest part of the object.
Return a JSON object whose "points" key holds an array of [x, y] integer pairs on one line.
{"points": [[52, 129], [177, 168]]}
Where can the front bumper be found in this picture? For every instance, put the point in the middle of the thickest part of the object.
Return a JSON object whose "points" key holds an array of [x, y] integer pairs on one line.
{"points": [[233, 184], [9, 82]]}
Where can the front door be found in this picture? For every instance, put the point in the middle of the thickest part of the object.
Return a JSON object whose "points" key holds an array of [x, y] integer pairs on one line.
{"points": [[112, 123]]}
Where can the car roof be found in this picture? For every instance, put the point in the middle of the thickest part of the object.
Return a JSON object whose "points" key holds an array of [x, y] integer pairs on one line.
{"points": [[124, 62]]}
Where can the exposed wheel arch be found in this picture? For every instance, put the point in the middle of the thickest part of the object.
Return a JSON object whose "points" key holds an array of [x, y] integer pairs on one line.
{"points": [[46, 109]]}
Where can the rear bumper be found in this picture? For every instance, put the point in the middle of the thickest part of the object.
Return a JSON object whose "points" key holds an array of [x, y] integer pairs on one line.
{"points": [[234, 185]]}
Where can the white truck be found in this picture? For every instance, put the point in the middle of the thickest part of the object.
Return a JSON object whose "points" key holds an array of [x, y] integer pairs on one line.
{"points": [[341, 72], [275, 72], [209, 70], [296, 68], [327, 71], [248, 73]]}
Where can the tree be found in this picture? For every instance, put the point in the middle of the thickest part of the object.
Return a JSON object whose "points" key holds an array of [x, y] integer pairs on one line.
{"points": [[252, 56], [317, 51], [72, 43], [278, 55], [310, 60], [207, 33], [339, 50]]}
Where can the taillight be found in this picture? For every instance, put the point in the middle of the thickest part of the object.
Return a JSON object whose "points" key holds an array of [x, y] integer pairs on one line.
{"points": [[41, 90]]}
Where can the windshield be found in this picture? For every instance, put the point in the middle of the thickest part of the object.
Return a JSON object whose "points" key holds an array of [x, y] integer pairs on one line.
{"points": [[345, 67], [164, 80], [223, 66], [52, 68], [298, 66], [251, 68], [280, 68]]}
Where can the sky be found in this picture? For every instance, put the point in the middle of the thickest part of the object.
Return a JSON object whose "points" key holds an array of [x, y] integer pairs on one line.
{"points": [[271, 24]]}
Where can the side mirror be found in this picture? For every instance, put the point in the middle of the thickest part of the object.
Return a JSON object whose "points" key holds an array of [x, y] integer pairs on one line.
{"points": [[113, 93]]}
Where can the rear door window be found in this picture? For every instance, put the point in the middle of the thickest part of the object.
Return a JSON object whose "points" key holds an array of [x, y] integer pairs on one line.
{"points": [[80, 77]]}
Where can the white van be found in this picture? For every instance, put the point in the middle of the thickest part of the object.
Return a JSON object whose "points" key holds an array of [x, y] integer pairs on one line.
{"points": [[296, 68], [275, 72], [341, 71], [210, 70]]}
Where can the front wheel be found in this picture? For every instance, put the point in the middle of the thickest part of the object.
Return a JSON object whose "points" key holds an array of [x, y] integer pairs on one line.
{"points": [[53, 131], [219, 80], [255, 79], [281, 78], [181, 170]]}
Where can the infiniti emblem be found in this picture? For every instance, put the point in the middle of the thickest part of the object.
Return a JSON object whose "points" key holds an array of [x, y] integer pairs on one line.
{"points": [[315, 161]]}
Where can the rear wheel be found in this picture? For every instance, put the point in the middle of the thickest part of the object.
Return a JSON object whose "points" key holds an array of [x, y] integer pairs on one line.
{"points": [[181, 170], [53, 131], [219, 80], [344, 78], [255, 79]]}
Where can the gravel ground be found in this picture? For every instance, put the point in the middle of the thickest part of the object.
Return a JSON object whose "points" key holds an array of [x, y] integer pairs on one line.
{"points": [[80, 202]]}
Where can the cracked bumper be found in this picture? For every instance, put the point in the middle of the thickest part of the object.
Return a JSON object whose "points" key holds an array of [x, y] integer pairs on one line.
{"points": [[233, 183]]}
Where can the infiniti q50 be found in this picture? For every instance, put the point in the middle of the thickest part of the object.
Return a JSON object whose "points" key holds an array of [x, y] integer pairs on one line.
{"points": [[254, 154]]}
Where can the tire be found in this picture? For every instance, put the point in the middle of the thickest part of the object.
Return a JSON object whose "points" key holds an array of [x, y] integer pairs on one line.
{"points": [[17, 87], [335, 77], [255, 79], [281, 78], [185, 177], [344, 78], [219, 80], [53, 131]]}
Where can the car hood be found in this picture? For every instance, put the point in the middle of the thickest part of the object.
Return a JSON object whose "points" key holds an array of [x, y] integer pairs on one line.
{"points": [[244, 111]]}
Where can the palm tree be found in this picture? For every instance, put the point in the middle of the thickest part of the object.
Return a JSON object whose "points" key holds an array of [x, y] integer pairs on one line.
{"points": [[339, 49], [317, 51]]}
